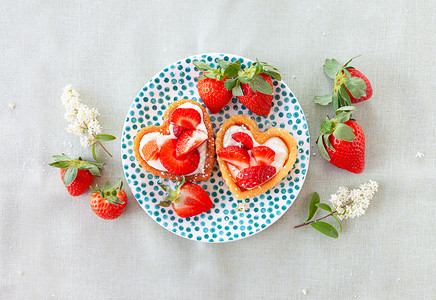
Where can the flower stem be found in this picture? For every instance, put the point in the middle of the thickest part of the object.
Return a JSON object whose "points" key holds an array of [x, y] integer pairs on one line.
{"points": [[313, 221], [102, 145]]}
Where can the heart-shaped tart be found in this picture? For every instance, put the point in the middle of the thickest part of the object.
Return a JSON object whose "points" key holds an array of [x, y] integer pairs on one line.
{"points": [[182, 146], [251, 162]]}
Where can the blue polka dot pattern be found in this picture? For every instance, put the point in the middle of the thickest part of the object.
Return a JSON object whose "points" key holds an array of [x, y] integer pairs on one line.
{"points": [[229, 219]]}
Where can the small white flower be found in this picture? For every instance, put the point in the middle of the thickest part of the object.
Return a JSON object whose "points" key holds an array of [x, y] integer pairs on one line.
{"points": [[350, 204], [419, 155]]}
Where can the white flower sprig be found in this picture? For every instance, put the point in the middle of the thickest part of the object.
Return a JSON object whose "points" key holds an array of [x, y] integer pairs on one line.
{"points": [[346, 204], [83, 121]]}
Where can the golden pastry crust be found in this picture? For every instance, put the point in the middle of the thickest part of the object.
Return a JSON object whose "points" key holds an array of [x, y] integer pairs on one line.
{"points": [[260, 137], [164, 129]]}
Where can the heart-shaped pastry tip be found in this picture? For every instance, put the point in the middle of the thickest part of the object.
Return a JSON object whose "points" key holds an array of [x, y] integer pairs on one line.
{"points": [[182, 146], [251, 162]]}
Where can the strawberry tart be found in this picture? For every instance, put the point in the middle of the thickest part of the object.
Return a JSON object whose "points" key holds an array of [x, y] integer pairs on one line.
{"points": [[182, 146], [251, 161]]}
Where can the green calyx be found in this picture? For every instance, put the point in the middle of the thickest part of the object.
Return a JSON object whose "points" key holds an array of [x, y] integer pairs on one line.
{"points": [[234, 75], [343, 83], [173, 195], [65, 162], [335, 126], [109, 192]]}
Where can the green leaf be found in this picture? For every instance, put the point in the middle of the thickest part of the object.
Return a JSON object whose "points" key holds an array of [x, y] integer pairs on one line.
{"points": [[223, 63], [344, 94], [339, 223], [344, 133], [107, 185], [273, 74], [258, 67], [324, 206], [344, 109], [356, 86], [326, 127], [335, 101], [70, 175], [210, 75], [230, 83], [323, 100], [327, 141], [321, 148], [201, 65], [331, 68], [344, 116], [244, 79], [325, 228], [62, 157], [93, 152], [237, 90], [232, 70], [105, 137], [117, 184], [312, 206], [258, 83], [60, 164], [94, 170], [165, 204]]}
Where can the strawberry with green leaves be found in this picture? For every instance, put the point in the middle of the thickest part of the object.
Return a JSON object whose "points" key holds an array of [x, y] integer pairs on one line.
{"points": [[350, 85], [108, 202], [253, 87], [211, 83], [188, 199], [342, 141], [77, 174]]}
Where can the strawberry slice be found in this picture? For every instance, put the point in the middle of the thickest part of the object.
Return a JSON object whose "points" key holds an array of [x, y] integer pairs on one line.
{"points": [[236, 156], [178, 166], [188, 199], [188, 118], [263, 155], [178, 130], [244, 139], [189, 141], [150, 151], [254, 176]]}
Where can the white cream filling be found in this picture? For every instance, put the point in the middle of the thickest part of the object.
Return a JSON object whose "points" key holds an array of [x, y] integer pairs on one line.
{"points": [[161, 139], [275, 143]]}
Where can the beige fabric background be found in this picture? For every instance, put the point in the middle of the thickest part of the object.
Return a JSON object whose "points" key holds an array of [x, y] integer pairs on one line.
{"points": [[52, 246]]}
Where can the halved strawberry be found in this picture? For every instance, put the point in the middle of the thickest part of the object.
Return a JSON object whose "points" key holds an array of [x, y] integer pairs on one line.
{"points": [[189, 141], [188, 118], [244, 139], [236, 156], [188, 199], [178, 130], [254, 176], [178, 166], [264, 155], [150, 151]]}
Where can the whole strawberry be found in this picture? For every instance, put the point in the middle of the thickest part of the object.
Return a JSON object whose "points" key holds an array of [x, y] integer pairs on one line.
{"points": [[188, 199], [211, 83], [350, 85], [342, 141], [108, 202], [253, 87], [77, 175]]}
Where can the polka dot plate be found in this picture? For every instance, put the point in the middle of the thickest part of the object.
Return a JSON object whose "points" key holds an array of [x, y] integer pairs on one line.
{"points": [[229, 219]]}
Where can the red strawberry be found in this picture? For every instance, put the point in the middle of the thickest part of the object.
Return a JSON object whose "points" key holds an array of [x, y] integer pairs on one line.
{"points": [[150, 151], [368, 90], [244, 139], [342, 142], [236, 156], [350, 85], [213, 84], [188, 118], [178, 166], [77, 175], [108, 202], [213, 93], [189, 141], [256, 101], [178, 130], [254, 176], [264, 155], [188, 199]]}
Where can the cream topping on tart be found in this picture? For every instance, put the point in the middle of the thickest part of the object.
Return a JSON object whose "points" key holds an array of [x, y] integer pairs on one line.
{"points": [[275, 143], [161, 139]]}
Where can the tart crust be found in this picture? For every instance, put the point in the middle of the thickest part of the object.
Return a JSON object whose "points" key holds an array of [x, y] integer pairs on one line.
{"points": [[260, 137], [164, 129]]}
